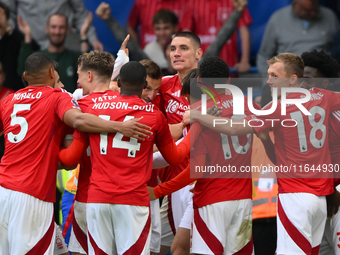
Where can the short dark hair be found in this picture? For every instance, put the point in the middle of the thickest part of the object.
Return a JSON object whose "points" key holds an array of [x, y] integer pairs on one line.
{"points": [[165, 16], [152, 69], [57, 14], [190, 85], [133, 73], [100, 62], [190, 35], [36, 62], [6, 9], [214, 67], [327, 66]]}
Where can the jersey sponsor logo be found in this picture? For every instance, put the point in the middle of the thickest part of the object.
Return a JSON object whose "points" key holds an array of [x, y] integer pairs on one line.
{"points": [[20, 96], [174, 106]]}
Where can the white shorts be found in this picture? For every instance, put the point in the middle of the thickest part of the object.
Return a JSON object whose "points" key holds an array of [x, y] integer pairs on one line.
{"points": [[188, 216], [300, 223], [330, 243], [172, 211], [26, 224], [60, 246], [155, 244], [118, 229], [78, 238], [223, 228], [331, 238]]}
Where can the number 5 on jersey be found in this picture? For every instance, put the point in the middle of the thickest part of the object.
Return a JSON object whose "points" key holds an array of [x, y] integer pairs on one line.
{"points": [[15, 120], [132, 146]]}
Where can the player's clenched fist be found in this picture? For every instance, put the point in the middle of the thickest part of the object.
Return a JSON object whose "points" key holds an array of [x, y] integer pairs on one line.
{"points": [[103, 11], [240, 5]]}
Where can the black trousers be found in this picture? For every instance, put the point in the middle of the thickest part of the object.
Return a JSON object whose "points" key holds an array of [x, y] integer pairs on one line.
{"points": [[264, 236]]}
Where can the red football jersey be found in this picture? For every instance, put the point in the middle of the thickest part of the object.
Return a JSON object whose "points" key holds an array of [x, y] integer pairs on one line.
{"points": [[303, 149], [143, 11], [223, 151], [205, 18], [174, 104], [85, 161], [334, 144], [32, 122], [121, 166]]}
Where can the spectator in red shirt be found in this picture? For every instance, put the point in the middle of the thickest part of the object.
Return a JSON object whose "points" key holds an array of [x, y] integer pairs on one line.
{"points": [[141, 16], [205, 18]]}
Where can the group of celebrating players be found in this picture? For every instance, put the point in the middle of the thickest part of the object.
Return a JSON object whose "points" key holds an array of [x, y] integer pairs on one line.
{"points": [[114, 134]]}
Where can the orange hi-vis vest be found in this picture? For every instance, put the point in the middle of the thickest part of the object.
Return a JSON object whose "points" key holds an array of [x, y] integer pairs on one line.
{"points": [[71, 185], [265, 202], [265, 182]]}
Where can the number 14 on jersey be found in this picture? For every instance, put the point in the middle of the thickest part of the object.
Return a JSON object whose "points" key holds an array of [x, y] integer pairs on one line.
{"points": [[132, 145]]}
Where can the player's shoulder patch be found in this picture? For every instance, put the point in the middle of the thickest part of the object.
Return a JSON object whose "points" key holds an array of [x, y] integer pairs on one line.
{"points": [[75, 103]]}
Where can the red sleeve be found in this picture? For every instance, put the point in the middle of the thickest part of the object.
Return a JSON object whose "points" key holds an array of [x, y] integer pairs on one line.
{"points": [[163, 135], [134, 16], [181, 180], [82, 137], [173, 154], [70, 156], [64, 103], [245, 19]]}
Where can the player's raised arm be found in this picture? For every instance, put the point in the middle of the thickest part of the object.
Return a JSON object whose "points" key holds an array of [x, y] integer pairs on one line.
{"points": [[70, 156], [93, 124], [222, 125]]}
